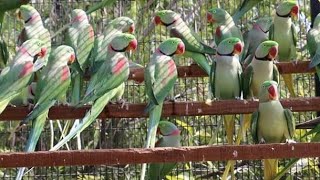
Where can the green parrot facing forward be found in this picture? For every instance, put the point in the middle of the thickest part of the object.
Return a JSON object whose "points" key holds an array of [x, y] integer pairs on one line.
{"points": [[105, 83], [195, 48], [18, 74], [54, 82], [170, 137], [80, 36], [226, 27], [245, 6], [271, 124], [160, 76], [34, 29], [225, 79], [254, 37], [283, 32], [313, 42]]}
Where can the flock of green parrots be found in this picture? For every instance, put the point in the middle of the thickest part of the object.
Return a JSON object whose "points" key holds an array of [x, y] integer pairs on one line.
{"points": [[242, 67]]}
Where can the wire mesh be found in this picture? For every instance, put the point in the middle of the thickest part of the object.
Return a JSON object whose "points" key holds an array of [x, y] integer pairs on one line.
{"points": [[131, 132]]}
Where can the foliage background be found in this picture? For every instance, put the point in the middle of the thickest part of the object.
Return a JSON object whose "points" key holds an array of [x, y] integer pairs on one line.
{"points": [[130, 132]]}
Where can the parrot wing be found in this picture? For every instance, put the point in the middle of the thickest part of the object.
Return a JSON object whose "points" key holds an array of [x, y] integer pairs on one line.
{"points": [[85, 42], [247, 79], [254, 126], [212, 79], [275, 74], [290, 122]]}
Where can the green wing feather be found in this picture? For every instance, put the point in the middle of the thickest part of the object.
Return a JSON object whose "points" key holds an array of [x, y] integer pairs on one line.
{"points": [[290, 122], [247, 79], [271, 32], [212, 78], [294, 35], [254, 126], [275, 74]]}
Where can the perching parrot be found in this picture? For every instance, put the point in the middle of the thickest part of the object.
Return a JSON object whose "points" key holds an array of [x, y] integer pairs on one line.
{"points": [[170, 137], [271, 124], [226, 27], [283, 32], [18, 74], [225, 79], [80, 36], [54, 82], [104, 84], [159, 77], [195, 48], [245, 6], [7, 5], [313, 42], [254, 37], [34, 29]]}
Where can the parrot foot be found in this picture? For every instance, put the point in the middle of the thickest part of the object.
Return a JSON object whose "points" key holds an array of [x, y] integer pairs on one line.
{"points": [[254, 99], [121, 102], [12, 105], [238, 98], [63, 103], [208, 102], [295, 62], [262, 141], [290, 141]]}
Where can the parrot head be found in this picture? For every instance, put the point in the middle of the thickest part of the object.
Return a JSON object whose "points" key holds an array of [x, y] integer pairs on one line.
{"points": [[267, 51], [34, 47], [230, 47], [64, 55], [166, 128], [172, 46], [79, 16], [166, 17], [288, 9], [123, 42], [123, 23], [263, 24], [217, 15], [316, 22], [28, 14], [269, 91]]}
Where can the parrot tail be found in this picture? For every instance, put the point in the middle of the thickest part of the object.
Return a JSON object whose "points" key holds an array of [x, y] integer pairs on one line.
{"points": [[288, 80], [4, 104], [36, 130], [229, 126], [200, 59], [244, 8], [270, 168], [154, 118], [318, 71], [90, 116], [76, 86]]}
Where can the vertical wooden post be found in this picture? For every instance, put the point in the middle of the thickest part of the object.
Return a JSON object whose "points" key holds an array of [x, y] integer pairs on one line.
{"points": [[315, 10]]}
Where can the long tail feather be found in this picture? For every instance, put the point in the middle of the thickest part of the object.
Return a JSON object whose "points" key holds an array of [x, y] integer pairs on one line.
{"points": [[76, 86], [4, 104], [200, 59], [270, 168], [36, 130], [90, 116], [229, 126], [288, 80], [154, 118]]}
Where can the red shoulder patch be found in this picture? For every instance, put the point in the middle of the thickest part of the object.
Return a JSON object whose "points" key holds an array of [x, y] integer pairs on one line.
{"points": [[172, 67], [118, 68], [27, 69], [65, 73], [218, 31]]}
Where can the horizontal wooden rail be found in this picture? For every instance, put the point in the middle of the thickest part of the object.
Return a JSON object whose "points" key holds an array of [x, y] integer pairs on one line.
{"points": [[195, 71], [169, 109], [309, 124], [139, 155]]}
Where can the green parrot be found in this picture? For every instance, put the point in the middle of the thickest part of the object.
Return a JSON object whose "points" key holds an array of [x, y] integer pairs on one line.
{"points": [[226, 27], [271, 124], [80, 36], [7, 5], [18, 74], [225, 79], [54, 82], [283, 32], [34, 29], [313, 43], [253, 38], [105, 83], [159, 77], [170, 137], [245, 6], [195, 48]]}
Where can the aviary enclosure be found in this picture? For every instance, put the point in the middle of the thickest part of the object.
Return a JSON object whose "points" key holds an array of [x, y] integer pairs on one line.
{"points": [[125, 126]]}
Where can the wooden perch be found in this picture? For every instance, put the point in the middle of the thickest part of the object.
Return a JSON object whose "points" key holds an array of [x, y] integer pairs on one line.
{"points": [[139, 155], [309, 124], [169, 109]]}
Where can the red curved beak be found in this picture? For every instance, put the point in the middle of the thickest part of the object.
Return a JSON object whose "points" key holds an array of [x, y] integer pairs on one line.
{"points": [[43, 52], [133, 45], [210, 18], [180, 48], [294, 11], [72, 59], [273, 52], [237, 48], [131, 29], [272, 93], [157, 20]]}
